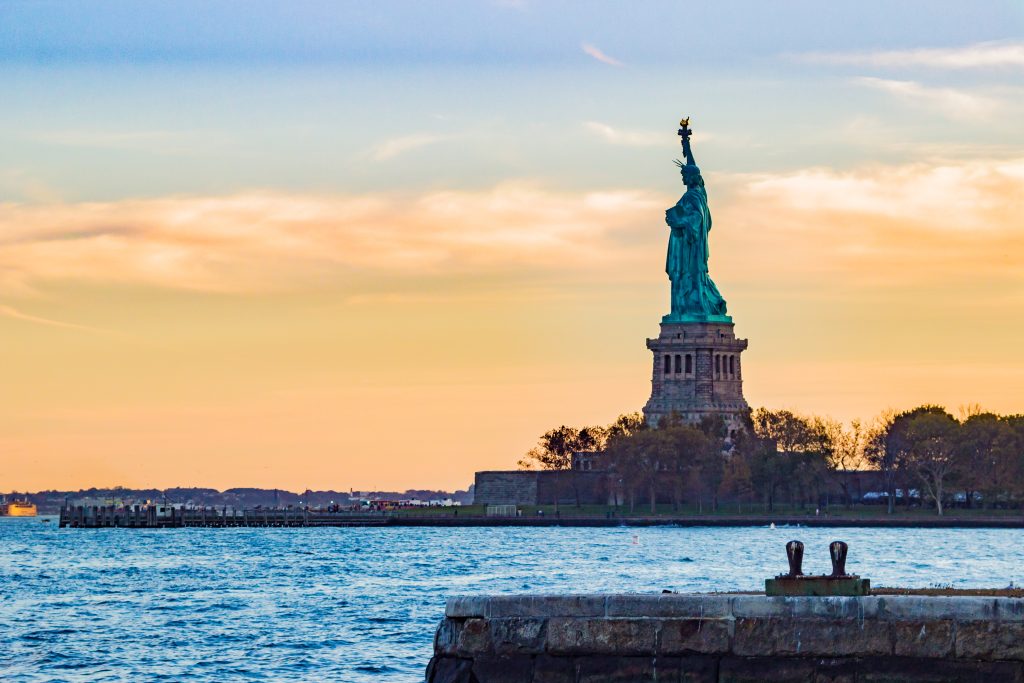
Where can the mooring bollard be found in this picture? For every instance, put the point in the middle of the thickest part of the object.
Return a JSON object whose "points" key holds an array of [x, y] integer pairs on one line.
{"points": [[795, 553], [796, 583], [838, 550]]}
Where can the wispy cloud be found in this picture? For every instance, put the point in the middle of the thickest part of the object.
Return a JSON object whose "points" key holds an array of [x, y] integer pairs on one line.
{"points": [[389, 149], [948, 101], [924, 225], [968, 196], [599, 55], [979, 55], [11, 312], [264, 241], [619, 136]]}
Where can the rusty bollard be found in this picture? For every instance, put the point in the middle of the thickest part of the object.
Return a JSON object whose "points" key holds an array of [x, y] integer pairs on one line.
{"points": [[796, 583], [838, 550], [795, 553]]}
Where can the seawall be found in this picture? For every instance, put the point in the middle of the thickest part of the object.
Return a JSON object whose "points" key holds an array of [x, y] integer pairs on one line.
{"points": [[150, 516], [722, 638]]}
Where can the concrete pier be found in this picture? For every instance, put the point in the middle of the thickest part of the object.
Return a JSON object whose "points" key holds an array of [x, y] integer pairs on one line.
{"points": [[722, 638], [159, 517]]}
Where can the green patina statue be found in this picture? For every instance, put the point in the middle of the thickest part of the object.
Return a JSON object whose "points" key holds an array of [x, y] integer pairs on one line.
{"points": [[694, 296]]}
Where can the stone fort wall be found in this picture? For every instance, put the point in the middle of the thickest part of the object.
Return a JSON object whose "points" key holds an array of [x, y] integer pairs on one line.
{"points": [[526, 487], [505, 488]]}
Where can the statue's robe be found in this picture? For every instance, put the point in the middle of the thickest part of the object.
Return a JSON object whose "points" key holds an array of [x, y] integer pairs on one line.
{"points": [[693, 292]]}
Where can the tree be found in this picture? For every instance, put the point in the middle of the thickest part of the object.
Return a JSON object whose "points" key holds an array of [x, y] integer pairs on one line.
{"points": [[592, 438], [846, 451], [616, 459], [926, 439], [684, 449], [1014, 485], [710, 465], [645, 458], [815, 455], [737, 479], [617, 452], [555, 449], [793, 453], [635, 458], [878, 456], [988, 453], [626, 425]]}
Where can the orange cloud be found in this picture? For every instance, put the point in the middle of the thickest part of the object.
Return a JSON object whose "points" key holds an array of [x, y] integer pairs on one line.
{"points": [[921, 224], [267, 241]]}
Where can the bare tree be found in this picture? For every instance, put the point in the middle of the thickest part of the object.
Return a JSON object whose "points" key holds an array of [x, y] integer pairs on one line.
{"points": [[879, 456], [846, 452]]}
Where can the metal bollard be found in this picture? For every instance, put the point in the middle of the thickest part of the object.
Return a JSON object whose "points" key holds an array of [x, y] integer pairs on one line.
{"points": [[795, 553], [838, 550]]}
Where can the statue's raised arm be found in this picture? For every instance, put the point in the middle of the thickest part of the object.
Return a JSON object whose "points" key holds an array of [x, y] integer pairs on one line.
{"points": [[684, 132]]}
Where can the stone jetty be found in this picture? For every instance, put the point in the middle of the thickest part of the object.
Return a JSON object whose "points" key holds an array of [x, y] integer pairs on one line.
{"points": [[728, 638]]}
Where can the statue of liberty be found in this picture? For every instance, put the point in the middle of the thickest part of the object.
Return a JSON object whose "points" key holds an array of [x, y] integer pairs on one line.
{"points": [[694, 296]]}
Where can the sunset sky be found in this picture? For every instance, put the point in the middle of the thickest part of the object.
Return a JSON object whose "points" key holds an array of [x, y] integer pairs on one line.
{"points": [[383, 245]]}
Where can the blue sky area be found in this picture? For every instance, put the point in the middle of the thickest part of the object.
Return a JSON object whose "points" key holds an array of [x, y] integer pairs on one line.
{"points": [[193, 97]]}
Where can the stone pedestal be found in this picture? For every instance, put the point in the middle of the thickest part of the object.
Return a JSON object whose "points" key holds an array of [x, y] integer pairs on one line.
{"points": [[820, 586], [697, 372]]}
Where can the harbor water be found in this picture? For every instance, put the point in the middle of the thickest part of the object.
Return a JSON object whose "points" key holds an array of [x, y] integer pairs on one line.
{"points": [[361, 604]]}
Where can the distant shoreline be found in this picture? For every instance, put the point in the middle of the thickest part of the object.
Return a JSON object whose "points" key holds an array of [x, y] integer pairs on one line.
{"points": [[212, 518], [690, 521]]}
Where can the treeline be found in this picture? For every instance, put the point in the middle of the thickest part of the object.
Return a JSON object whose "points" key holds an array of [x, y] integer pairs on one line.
{"points": [[50, 501], [924, 456]]}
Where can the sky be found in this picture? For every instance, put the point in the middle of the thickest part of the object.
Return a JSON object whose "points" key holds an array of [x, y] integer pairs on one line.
{"points": [[385, 245]]}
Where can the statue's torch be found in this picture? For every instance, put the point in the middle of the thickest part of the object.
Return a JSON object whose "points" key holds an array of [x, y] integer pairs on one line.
{"points": [[684, 134]]}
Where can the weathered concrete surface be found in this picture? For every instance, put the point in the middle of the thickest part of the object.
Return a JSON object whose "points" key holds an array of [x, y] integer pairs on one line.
{"points": [[700, 638]]}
